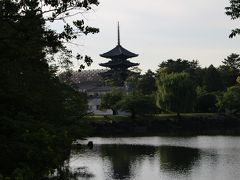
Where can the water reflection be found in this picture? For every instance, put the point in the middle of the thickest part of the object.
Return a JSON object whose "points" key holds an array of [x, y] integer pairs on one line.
{"points": [[214, 160], [178, 159], [123, 156]]}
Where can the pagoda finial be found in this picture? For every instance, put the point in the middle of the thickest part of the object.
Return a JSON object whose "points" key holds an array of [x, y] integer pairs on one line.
{"points": [[118, 33]]}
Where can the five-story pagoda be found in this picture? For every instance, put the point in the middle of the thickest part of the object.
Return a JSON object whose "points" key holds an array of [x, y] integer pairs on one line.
{"points": [[119, 63]]}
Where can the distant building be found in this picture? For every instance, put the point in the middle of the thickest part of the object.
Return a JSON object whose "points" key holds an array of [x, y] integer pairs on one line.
{"points": [[119, 63], [92, 81]]}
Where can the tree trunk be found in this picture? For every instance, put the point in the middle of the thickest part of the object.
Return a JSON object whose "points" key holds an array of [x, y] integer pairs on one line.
{"points": [[114, 112]]}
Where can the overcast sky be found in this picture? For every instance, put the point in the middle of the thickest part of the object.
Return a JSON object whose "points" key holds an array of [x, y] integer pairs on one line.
{"points": [[158, 30]]}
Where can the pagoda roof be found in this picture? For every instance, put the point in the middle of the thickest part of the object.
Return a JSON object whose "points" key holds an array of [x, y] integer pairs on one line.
{"points": [[118, 51], [119, 63]]}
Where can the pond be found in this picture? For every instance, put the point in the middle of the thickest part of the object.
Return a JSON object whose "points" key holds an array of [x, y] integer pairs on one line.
{"points": [[165, 158]]}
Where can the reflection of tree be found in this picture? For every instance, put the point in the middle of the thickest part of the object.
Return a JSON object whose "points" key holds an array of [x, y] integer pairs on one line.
{"points": [[122, 156], [180, 159]]}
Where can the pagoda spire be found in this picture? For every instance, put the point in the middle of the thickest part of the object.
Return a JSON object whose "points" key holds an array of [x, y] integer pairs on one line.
{"points": [[119, 62], [118, 51], [118, 33]]}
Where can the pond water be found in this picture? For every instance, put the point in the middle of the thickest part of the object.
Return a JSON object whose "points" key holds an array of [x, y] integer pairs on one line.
{"points": [[155, 158]]}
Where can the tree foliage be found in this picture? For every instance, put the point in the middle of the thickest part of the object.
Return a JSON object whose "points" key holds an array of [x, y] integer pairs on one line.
{"points": [[231, 99], [37, 112], [112, 100], [147, 83], [234, 12], [175, 93], [23, 27], [138, 104], [206, 103], [232, 62], [230, 70], [211, 82], [179, 65], [238, 80], [212, 79]]}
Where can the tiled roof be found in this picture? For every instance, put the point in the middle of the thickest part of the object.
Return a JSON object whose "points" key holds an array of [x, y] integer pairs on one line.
{"points": [[118, 51], [87, 76], [113, 63]]}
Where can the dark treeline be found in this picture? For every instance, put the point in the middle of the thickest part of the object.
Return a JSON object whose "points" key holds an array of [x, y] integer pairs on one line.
{"points": [[38, 114], [180, 86], [183, 86]]}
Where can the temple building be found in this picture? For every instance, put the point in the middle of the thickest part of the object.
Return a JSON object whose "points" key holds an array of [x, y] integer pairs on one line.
{"points": [[92, 82], [118, 64]]}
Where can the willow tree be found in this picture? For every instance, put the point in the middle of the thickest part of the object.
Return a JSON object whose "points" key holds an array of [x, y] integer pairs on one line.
{"points": [[175, 92]]}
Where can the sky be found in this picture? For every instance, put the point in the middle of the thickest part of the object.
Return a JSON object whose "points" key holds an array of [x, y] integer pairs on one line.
{"points": [[159, 30]]}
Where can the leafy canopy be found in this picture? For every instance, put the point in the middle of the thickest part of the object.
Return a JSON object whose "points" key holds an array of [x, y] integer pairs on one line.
{"points": [[111, 100], [138, 104], [231, 99], [176, 92]]}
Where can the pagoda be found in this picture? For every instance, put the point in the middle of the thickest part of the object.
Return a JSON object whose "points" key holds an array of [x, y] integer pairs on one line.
{"points": [[118, 63]]}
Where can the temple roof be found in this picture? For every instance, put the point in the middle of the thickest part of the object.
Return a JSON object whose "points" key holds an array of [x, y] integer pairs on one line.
{"points": [[118, 51], [125, 63]]}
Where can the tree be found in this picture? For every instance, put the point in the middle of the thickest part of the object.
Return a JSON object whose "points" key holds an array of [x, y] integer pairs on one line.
{"points": [[17, 18], [138, 104], [111, 100], [206, 103], [232, 62], [238, 80], [147, 83], [231, 99], [212, 80], [230, 70], [179, 65], [175, 93], [234, 11], [35, 108], [132, 81]]}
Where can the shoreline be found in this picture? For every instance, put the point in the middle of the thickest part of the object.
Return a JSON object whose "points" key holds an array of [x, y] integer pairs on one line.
{"points": [[190, 125]]}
